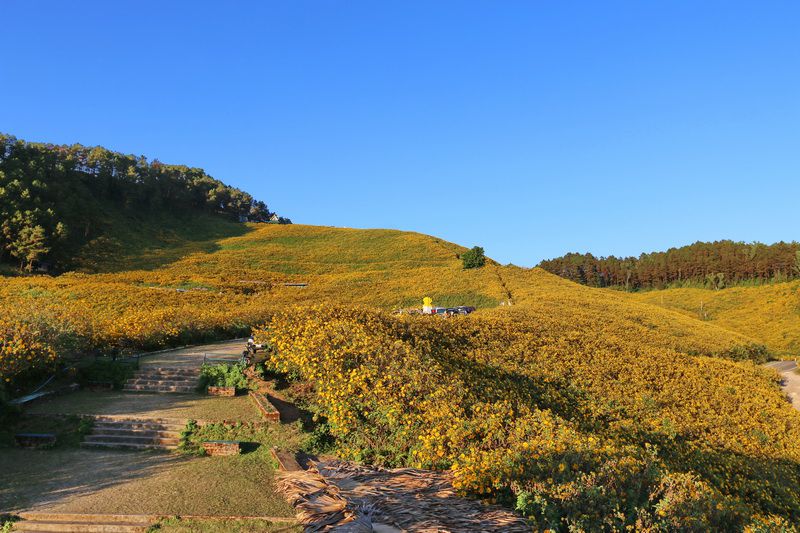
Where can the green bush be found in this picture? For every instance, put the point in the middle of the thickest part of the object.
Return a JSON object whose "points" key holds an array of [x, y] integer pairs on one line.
{"points": [[7, 522], [106, 370], [223, 375], [757, 353], [474, 258], [626, 489]]}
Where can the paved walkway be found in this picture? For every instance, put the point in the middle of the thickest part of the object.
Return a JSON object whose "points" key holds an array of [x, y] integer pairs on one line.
{"points": [[791, 380], [193, 356], [132, 405]]}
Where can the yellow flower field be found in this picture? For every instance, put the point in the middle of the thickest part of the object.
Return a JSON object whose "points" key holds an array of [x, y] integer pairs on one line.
{"points": [[770, 313], [550, 394], [519, 403]]}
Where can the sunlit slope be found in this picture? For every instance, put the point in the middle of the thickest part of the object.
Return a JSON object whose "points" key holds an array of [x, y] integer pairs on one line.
{"points": [[218, 287], [523, 399], [562, 306], [769, 313], [385, 268]]}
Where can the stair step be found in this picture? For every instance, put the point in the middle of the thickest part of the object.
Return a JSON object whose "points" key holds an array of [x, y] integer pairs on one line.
{"points": [[92, 523], [34, 526], [169, 371], [143, 431], [160, 422], [138, 432], [104, 518], [141, 423], [159, 381], [160, 384], [131, 439], [128, 446], [150, 372], [145, 388]]}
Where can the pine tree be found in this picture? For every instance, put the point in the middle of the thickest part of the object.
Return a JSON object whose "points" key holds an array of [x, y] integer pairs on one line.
{"points": [[30, 246]]}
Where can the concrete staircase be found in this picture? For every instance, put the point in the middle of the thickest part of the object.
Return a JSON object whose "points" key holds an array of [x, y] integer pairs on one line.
{"points": [[69, 522], [163, 379], [134, 434]]}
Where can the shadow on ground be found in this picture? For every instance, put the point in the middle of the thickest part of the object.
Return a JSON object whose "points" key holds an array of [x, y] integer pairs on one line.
{"points": [[39, 478]]}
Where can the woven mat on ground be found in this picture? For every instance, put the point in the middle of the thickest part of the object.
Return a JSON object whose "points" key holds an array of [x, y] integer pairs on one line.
{"points": [[416, 500]]}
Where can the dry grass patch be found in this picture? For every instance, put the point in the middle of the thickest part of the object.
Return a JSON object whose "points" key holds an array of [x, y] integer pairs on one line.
{"points": [[185, 406]]}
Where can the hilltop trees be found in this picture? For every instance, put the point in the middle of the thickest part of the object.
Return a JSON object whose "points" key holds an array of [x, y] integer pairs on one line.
{"points": [[55, 198], [474, 257], [710, 264]]}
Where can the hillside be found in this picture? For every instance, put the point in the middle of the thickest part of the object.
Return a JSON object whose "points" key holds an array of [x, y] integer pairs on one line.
{"points": [[578, 424], [189, 290], [595, 382], [768, 313], [60, 202]]}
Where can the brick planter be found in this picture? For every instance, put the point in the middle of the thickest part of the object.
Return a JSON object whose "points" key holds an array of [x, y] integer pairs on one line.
{"points": [[264, 406], [221, 391], [222, 447]]}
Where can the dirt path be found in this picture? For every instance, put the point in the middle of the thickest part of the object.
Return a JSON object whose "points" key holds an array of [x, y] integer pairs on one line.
{"points": [[791, 380]]}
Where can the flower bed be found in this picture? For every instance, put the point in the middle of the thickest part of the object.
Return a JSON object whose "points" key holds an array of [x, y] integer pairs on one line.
{"points": [[264, 406]]}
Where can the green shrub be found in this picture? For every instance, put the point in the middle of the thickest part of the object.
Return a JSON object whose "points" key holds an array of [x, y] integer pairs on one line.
{"points": [[754, 352], [7, 522], [626, 489], [106, 370], [188, 444], [223, 375], [320, 440], [474, 258]]}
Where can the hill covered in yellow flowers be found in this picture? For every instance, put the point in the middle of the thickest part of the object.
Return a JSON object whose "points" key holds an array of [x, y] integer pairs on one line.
{"points": [[584, 407], [184, 288], [769, 313]]}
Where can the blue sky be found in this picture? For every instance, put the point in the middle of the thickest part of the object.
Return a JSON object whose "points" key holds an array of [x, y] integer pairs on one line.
{"points": [[530, 128]]}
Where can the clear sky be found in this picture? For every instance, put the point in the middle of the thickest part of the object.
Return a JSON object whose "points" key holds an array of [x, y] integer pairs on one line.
{"points": [[530, 128]]}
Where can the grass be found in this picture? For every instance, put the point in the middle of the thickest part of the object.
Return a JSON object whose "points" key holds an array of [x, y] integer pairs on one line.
{"points": [[186, 406], [247, 525], [253, 439], [130, 243], [69, 430], [91, 481]]}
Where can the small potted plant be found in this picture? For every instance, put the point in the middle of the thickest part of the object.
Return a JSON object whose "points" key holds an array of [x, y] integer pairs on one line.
{"points": [[223, 379]]}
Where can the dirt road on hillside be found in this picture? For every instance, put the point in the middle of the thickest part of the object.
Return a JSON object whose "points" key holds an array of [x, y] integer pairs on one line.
{"points": [[791, 380]]}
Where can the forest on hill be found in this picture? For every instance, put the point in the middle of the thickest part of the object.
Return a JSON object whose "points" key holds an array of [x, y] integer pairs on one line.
{"points": [[702, 264], [54, 199]]}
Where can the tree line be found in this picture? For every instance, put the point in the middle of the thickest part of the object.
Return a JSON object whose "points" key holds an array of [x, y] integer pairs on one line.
{"points": [[54, 198], [710, 264]]}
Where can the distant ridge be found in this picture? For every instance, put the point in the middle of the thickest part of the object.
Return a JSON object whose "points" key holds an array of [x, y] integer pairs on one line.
{"points": [[705, 264]]}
